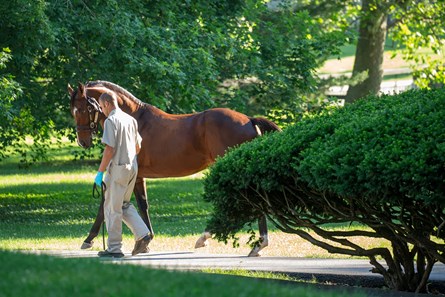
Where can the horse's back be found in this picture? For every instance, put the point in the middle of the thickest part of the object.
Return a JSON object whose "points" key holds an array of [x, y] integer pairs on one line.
{"points": [[179, 145], [225, 128], [172, 145]]}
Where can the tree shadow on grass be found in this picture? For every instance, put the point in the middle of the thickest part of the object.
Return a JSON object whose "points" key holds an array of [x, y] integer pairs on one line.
{"points": [[58, 209], [55, 166]]}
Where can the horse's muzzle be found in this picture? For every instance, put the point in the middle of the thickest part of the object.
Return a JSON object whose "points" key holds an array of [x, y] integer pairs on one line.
{"points": [[83, 144]]}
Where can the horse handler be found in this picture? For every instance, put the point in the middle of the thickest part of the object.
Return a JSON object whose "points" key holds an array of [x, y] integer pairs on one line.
{"points": [[122, 144]]}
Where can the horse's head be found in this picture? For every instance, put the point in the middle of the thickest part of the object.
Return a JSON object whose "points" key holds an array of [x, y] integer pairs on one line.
{"points": [[86, 112]]}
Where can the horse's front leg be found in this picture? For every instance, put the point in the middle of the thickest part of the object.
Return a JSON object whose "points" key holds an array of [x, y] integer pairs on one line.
{"points": [[94, 231], [264, 241], [140, 192]]}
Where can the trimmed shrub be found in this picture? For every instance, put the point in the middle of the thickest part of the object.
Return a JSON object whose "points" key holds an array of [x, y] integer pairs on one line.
{"points": [[379, 162]]}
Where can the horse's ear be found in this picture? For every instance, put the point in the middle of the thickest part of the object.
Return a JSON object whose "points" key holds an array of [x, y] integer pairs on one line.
{"points": [[81, 88], [70, 90]]}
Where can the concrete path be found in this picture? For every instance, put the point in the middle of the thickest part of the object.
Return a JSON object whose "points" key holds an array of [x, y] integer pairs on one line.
{"points": [[186, 260]]}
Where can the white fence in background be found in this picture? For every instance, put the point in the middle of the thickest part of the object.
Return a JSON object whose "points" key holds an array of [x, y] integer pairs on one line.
{"points": [[387, 87]]}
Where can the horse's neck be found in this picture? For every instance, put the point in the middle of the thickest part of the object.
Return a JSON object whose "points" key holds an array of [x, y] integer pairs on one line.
{"points": [[128, 105], [136, 108], [133, 107]]}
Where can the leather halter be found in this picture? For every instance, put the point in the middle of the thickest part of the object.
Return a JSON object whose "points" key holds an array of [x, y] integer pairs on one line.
{"points": [[94, 110]]}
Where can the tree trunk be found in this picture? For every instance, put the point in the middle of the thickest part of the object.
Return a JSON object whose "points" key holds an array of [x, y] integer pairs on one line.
{"points": [[370, 49]]}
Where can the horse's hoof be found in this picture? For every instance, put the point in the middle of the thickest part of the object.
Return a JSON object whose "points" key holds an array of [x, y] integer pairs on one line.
{"points": [[202, 241], [254, 253], [86, 245]]}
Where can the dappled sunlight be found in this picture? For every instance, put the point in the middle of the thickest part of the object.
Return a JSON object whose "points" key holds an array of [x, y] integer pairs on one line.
{"points": [[51, 208], [290, 245], [280, 245], [47, 178], [287, 245]]}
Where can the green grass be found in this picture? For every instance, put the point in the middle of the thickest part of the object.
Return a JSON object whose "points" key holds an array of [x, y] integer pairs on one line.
{"points": [[59, 194], [253, 274], [348, 50], [50, 207], [393, 59], [32, 275]]}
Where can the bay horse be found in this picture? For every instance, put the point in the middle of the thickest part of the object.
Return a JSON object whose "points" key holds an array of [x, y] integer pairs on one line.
{"points": [[173, 145]]}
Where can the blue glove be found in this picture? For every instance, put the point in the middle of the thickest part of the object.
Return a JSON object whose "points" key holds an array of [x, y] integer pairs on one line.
{"points": [[98, 179]]}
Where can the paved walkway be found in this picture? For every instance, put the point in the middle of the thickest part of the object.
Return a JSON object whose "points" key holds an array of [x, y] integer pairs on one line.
{"points": [[186, 260]]}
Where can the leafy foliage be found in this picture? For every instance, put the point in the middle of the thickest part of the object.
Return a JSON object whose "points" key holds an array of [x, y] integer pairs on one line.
{"points": [[378, 162], [413, 25], [288, 46], [9, 116], [421, 26], [184, 56], [9, 90], [176, 55]]}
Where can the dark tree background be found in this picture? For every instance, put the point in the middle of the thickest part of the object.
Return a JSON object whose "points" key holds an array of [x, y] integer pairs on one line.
{"points": [[182, 56], [185, 56]]}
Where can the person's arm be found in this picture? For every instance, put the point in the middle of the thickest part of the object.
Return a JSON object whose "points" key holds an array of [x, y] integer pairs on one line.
{"points": [[106, 158], [138, 148]]}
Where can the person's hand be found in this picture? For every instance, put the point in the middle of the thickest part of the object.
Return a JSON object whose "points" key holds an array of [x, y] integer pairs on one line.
{"points": [[98, 179]]}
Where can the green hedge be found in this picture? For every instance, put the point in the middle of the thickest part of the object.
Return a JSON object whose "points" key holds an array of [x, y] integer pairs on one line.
{"points": [[379, 162], [382, 148]]}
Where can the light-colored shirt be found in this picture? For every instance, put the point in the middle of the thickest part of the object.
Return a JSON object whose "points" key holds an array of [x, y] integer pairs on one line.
{"points": [[121, 133]]}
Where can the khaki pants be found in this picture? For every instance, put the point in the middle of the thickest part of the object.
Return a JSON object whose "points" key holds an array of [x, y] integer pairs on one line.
{"points": [[119, 182]]}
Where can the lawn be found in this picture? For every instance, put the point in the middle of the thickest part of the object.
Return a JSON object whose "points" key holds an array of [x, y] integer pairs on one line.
{"points": [[50, 207], [397, 68], [32, 275]]}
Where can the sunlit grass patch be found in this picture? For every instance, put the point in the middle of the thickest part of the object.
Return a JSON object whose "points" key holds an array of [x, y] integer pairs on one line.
{"points": [[252, 274], [50, 207]]}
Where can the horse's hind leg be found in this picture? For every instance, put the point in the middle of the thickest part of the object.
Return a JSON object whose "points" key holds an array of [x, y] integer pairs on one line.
{"points": [[140, 192], [255, 252], [264, 241], [202, 241], [94, 231]]}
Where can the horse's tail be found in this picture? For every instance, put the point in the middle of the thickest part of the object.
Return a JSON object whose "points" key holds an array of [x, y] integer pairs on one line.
{"points": [[264, 125]]}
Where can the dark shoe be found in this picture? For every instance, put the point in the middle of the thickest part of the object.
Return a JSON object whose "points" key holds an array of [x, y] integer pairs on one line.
{"points": [[110, 255], [141, 245]]}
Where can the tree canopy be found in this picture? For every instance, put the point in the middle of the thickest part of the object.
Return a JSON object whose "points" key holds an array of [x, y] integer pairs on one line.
{"points": [[181, 56], [185, 56], [414, 25]]}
